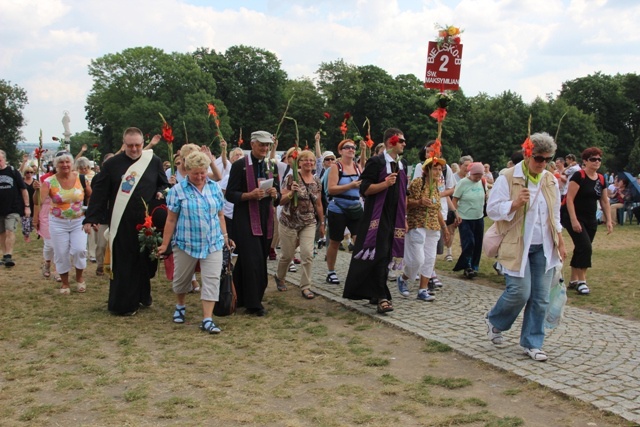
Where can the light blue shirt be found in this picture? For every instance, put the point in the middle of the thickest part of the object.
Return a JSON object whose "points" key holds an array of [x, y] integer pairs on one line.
{"points": [[198, 231]]}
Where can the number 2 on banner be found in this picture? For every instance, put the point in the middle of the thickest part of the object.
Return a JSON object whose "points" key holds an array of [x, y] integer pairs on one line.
{"points": [[443, 67]]}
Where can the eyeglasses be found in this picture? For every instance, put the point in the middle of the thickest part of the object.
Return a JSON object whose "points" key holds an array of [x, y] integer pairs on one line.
{"points": [[348, 147], [595, 159], [540, 159], [178, 163]]}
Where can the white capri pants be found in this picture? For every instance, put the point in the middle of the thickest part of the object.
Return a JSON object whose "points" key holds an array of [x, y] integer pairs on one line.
{"points": [[210, 269], [47, 250], [420, 247], [69, 243]]}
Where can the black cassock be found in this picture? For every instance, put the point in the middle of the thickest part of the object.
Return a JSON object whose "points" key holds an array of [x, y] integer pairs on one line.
{"points": [[250, 271], [368, 279], [132, 269]]}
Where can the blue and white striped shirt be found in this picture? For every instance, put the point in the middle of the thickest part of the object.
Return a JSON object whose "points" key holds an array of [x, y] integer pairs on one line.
{"points": [[198, 231]]}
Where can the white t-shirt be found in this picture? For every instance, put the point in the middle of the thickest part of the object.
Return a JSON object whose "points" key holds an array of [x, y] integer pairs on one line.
{"points": [[223, 171], [227, 209]]}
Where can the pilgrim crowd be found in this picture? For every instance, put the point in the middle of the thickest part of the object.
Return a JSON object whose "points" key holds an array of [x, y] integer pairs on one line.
{"points": [[395, 219]]}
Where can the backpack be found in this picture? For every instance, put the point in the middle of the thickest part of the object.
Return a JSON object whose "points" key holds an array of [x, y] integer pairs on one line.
{"points": [[583, 174]]}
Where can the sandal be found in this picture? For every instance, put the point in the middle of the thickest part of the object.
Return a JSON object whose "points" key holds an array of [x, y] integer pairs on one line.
{"points": [[81, 287], [57, 277], [437, 283], [332, 278], [65, 291], [46, 270], [178, 315], [384, 306], [282, 287], [209, 326], [583, 289], [536, 354], [306, 293]]}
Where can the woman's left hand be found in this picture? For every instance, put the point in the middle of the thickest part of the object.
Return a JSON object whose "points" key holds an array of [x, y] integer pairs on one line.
{"points": [[230, 244], [609, 227]]}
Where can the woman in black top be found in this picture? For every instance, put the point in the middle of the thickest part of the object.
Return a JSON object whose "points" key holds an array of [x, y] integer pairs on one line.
{"points": [[586, 187]]}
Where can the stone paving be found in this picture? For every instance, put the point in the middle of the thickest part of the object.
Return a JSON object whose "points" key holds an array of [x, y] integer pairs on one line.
{"points": [[592, 357]]}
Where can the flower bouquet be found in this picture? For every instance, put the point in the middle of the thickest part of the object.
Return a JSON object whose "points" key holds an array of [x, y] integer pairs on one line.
{"points": [[148, 237]]}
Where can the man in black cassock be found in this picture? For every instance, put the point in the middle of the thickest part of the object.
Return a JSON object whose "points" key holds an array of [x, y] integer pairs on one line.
{"points": [[382, 227], [132, 270], [253, 216]]}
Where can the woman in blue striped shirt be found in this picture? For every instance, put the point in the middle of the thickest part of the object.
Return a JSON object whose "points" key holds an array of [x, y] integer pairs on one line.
{"points": [[196, 229]]}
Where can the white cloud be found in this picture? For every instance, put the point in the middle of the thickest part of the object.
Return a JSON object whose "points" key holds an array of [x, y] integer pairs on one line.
{"points": [[526, 46]]}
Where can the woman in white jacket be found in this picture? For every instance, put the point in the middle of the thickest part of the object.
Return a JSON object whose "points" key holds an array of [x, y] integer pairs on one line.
{"points": [[529, 253]]}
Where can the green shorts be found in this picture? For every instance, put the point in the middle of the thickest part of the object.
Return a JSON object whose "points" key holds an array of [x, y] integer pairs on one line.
{"points": [[9, 222]]}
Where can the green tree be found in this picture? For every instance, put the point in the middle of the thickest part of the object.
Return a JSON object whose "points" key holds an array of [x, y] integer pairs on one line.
{"points": [[13, 99], [130, 89], [250, 81], [87, 138], [307, 107]]}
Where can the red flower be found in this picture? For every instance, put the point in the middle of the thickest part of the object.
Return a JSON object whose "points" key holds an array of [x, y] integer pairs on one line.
{"points": [[167, 133], [212, 110], [436, 149], [439, 114], [38, 153], [327, 116], [148, 221], [95, 145], [456, 40], [527, 147], [393, 141], [55, 138], [148, 232], [343, 128], [369, 141], [347, 116], [294, 154], [139, 227]]}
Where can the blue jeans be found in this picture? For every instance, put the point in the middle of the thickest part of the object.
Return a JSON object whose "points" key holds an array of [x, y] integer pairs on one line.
{"points": [[471, 235], [530, 292]]}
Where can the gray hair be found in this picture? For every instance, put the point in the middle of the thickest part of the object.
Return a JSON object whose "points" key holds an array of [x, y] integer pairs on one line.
{"points": [[543, 143], [235, 151], [195, 160], [82, 162], [63, 155], [466, 159]]}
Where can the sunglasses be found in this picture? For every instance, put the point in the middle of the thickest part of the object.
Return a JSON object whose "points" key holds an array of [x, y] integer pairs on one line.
{"points": [[331, 159], [28, 173], [595, 159], [540, 159], [348, 147]]}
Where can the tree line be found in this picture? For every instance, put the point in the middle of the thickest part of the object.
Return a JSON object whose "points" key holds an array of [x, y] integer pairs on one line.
{"points": [[251, 90]]}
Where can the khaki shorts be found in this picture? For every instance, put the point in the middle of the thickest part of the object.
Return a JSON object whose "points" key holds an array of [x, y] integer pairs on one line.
{"points": [[9, 222]]}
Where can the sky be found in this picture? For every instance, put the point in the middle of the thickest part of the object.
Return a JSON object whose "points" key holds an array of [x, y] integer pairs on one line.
{"points": [[529, 47]]}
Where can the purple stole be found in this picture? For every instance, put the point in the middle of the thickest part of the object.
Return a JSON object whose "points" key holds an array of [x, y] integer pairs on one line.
{"points": [[254, 207], [368, 251]]}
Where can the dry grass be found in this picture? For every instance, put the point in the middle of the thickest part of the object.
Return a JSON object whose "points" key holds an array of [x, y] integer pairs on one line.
{"points": [[66, 361]]}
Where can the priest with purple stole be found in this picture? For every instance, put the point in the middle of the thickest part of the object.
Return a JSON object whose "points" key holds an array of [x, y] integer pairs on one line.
{"points": [[254, 193], [382, 227]]}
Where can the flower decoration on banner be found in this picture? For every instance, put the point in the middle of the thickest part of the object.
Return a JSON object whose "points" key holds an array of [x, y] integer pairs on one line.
{"points": [[325, 116], [213, 113], [167, 135], [148, 237], [448, 34], [441, 101]]}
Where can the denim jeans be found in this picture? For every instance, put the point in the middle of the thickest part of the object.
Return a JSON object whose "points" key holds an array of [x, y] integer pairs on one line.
{"points": [[530, 292], [471, 235]]}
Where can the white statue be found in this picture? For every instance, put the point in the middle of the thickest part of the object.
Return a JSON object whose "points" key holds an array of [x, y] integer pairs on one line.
{"points": [[65, 123]]}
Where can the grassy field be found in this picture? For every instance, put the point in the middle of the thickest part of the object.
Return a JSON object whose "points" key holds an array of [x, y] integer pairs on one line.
{"points": [[66, 361], [613, 282]]}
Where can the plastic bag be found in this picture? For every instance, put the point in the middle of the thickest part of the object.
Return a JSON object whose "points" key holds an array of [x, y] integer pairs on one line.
{"points": [[557, 301]]}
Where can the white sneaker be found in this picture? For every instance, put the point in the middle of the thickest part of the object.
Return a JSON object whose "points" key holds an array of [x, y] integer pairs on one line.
{"points": [[292, 267], [495, 337], [536, 354], [423, 295]]}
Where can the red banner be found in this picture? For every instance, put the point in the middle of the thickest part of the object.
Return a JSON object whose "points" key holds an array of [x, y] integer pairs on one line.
{"points": [[443, 66]]}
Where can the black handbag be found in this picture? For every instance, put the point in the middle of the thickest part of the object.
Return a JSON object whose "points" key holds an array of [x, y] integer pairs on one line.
{"points": [[353, 212], [228, 299]]}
